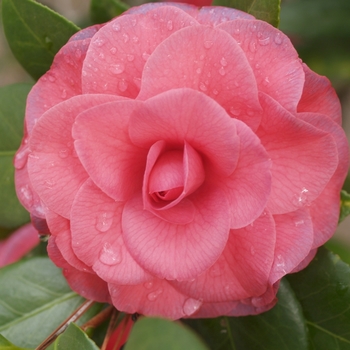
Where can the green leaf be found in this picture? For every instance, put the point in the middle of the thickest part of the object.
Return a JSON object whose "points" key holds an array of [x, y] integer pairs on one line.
{"points": [[281, 328], [12, 106], [323, 289], [34, 300], [104, 10], [156, 333], [35, 34], [344, 205], [6, 345], [266, 10], [73, 338]]}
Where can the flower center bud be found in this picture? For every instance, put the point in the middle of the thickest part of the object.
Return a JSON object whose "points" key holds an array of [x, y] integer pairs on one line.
{"points": [[166, 181]]}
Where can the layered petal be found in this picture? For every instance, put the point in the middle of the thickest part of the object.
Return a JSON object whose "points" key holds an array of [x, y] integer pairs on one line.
{"points": [[175, 251], [97, 237], [243, 269], [104, 148], [119, 51], [213, 63], [319, 96], [54, 168], [181, 115], [154, 298], [277, 68], [304, 158]]}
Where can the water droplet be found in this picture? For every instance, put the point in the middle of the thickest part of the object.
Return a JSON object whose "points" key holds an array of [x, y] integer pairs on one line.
{"points": [[201, 57], [50, 184], [298, 223], [208, 44], [125, 37], [215, 92], [199, 70], [257, 66], [63, 153], [135, 39], [301, 199], [202, 87], [222, 71], [235, 112], [113, 50], [145, 56], [250, 112], [26, 196], [133, 22], [280, 264], [116, 26], [252, 27], [122, 85], [101, 55], [170, 25], [64, 93], [51, 77], [252, 46], [104, 221], [278, 38], [191, 306], [154, 295], [21, 158], [117, 68], [223, 62], [264, 42], [130, 58], [99, 42], [77, 53], [109, 255], [266, 81], [148, 285]]}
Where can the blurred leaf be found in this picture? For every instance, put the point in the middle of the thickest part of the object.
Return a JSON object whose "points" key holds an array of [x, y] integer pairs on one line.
{"points": [[73, 338], [344, 205], [324, 294], [35, 301], [35, 33], [156, 333], [266, 10], [281, 328], [12, 106], [321, 33], [102, 11], [6, 345]]}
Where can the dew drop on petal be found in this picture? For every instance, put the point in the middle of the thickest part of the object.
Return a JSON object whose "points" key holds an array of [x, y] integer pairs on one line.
{"points": [[148, 285], [104, 221], [99, 42], [223, 62], [145, 56], [278, 38], [170, 25], [222, 71], [116, 26], [264, 42], [202, 87], [51, 78], [63, 153], [21, 158], [235, 112], [252, 46], [301, 199], [133, 22], [199, 70], [109, 255], [298, 223], [208, 44], [280, 264], [64, 93], [154, 295], [135, 39], [26, 195], [215, 92], [130, 58], [125, 38], [122, 85], [117, 68], [191, 306]]}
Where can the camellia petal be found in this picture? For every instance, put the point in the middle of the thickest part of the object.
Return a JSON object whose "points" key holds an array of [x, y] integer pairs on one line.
{"points": [[203, 65]]}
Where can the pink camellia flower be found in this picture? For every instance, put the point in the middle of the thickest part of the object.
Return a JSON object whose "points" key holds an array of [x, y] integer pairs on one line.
{"points": [[184, 160]]}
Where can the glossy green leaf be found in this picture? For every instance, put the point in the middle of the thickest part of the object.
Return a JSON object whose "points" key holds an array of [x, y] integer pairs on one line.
{"points": [[344, 205], [73, 338], [34, 300], [6, 345], [35, 33], [104, 10], [12, 106], [156, 333], [281, 328], [266, 10], [323, 289]]}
